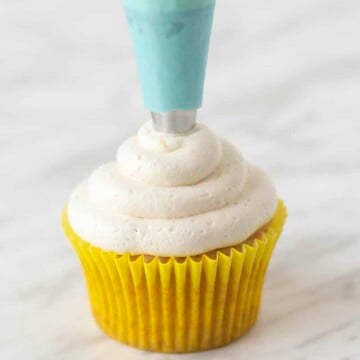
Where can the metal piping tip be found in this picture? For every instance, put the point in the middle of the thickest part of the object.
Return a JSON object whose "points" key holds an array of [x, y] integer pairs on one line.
{"points": [[174, 122]]}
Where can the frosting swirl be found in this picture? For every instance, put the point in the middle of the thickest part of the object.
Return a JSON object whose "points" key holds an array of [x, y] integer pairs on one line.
{"points": [[172, 195], [169, 160]]}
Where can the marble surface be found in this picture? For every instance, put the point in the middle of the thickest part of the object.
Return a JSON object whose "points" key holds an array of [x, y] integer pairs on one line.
{"points": [[283, 84]]}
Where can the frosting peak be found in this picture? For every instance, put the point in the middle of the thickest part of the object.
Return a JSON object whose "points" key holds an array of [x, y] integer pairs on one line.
{"points": [[172, 195], [169, 160]]}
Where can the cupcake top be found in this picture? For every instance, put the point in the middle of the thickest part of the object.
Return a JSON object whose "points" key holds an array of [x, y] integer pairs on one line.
{"points": [[172, 195]]}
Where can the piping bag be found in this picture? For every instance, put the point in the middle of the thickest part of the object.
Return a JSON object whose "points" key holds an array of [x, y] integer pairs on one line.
{"points": [[171, 43]]}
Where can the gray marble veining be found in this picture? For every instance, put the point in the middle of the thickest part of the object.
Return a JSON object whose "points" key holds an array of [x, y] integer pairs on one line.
{"points": [[283, 84]]}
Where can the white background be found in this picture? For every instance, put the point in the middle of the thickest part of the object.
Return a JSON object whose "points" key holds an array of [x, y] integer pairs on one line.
{"points": [[283, 84]]}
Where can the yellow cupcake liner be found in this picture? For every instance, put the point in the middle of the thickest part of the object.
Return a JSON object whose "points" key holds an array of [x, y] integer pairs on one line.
{"points": [[178, 304]]}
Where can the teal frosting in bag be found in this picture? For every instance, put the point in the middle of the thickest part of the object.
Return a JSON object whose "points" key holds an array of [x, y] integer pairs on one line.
{"points": [[171, 42], [166, 5]]}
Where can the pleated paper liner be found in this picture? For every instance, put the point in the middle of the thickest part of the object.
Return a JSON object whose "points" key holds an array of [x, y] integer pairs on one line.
{"points": [[178, 304]]}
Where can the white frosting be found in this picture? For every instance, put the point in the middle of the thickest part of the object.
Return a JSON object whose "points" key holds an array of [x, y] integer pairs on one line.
{"points": [[169, 160], [172, 195]]}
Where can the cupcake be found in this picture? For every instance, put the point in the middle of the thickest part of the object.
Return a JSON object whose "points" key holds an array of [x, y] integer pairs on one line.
{"points": [[174, 238]]}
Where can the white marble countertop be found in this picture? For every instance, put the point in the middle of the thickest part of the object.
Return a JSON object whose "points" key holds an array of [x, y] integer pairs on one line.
{"points": [[283, 84]]}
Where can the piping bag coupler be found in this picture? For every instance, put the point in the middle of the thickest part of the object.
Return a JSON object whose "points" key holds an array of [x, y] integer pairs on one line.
{"points": [[171, 43]]}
